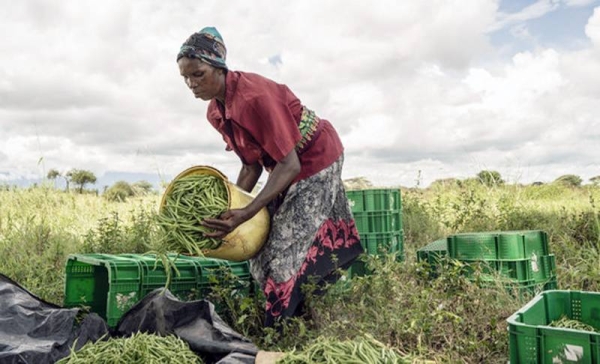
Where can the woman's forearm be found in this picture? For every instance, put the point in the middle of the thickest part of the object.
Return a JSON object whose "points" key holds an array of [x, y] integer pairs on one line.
{"points": [[249, 175], [279, 179]]}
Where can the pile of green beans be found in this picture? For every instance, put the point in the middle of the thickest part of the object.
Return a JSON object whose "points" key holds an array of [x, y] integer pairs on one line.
{"points": [[192, 199], [139, 348], [566, 323], [363, 350]]}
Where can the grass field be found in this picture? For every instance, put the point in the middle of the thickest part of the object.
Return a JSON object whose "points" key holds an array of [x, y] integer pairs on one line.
{"points": [[443, 320]]}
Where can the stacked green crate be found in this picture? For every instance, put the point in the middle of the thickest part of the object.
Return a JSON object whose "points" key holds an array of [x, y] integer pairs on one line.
{"points": [[111, 284], [518, 259], [378, 217]]}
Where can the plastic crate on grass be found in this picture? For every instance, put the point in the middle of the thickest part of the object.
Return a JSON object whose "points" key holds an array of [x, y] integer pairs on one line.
{"points": [[432, 252], [223, 273], [434, 255], [183, 285], [522, 244], [503, 245], [111, 284], [532, 340], [108, 284], [527, 274], [473, 246]]}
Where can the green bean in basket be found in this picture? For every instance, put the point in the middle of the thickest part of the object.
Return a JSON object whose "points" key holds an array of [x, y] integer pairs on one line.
{"points": [[192, 199]]}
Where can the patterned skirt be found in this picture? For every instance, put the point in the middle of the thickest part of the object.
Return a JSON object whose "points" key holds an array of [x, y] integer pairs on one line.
{"points": [[312, 235]]}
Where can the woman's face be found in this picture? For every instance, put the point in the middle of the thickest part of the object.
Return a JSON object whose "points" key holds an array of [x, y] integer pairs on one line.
{"points": [[205, 81]]}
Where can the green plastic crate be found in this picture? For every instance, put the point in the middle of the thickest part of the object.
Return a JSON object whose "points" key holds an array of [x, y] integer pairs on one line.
{"points": [[183, 285], [378, 221], [220, 273], [375, 199], [356, 199], [381, 242], [531, 340], [521, 271], [109, 285], [505, 245], [473, 246], [542, 268], [378, 244], [382, 199], [433, 252], [522, 244]]}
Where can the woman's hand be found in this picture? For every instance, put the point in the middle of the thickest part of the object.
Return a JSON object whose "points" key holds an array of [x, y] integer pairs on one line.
{"points": [[226, 223]]}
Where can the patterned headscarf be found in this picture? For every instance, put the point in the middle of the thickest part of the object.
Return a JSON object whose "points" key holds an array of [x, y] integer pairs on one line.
{"points": [[206, 45]]}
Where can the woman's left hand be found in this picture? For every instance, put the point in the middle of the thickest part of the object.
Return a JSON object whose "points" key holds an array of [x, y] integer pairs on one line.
{"points": [[226, 223]]}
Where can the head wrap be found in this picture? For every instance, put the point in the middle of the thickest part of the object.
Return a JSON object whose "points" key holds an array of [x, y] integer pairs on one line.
{"points": [[206, 45]]}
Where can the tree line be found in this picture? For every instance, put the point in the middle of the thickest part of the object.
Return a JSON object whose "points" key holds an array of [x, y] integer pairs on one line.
{"points": [[494, 178], [119, 191]]}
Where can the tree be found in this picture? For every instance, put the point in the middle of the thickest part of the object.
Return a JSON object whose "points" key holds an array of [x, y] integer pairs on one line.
{"points": [[357, 183], [119, 191], [52, 174], [595, 180], [142, 188], [490, 178], [445, 182], [569, 180], [81, 177]]}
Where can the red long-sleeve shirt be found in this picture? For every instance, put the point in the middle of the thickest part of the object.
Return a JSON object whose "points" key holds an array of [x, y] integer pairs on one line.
{"points": [[259, 122]]}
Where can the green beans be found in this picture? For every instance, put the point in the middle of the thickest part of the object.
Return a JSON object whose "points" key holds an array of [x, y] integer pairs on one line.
{"points": [[364, 350], [192, 199], [138, 348], [566, 323]]}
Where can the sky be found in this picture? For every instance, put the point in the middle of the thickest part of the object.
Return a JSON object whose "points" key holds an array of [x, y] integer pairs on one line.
{"points": [[418, 90]]}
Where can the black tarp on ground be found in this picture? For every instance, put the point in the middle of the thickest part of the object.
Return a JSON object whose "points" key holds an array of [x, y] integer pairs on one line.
{"points": [[33, 331], [195, 322]]}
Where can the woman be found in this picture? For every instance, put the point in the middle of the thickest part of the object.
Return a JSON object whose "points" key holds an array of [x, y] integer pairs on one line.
{"points": [[263, 122]]}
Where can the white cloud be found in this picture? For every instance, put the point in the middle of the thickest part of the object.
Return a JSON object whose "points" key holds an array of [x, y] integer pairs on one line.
{"points": [[578, 3], [592, 28], [409, 86]]}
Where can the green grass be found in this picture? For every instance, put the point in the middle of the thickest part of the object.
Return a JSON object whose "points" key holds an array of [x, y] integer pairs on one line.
{"points": [[447, 319]]}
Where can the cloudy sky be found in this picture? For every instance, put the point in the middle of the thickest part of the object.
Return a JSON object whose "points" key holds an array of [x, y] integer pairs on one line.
{"points": [[418, 90]]}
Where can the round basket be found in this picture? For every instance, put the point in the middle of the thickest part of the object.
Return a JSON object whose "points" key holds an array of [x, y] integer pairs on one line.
{"points": [[248, 238]]}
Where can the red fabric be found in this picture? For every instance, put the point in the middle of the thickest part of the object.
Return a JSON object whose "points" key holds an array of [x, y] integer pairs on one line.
{"points": [[260, 123], [339, 238]]}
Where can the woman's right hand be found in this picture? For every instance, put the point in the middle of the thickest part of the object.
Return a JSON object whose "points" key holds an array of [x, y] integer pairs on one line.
{"points": [[226, 223]]}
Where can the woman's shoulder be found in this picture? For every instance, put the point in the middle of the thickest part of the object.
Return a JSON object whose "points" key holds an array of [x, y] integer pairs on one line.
{"points": [[250, 79]]}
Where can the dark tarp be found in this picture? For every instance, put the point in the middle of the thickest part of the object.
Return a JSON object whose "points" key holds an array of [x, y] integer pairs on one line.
{"points": [[33, 331], [195, 322]]}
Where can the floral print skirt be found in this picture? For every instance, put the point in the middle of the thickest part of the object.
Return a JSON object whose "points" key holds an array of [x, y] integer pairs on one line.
{"points": [[312, 235]]}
